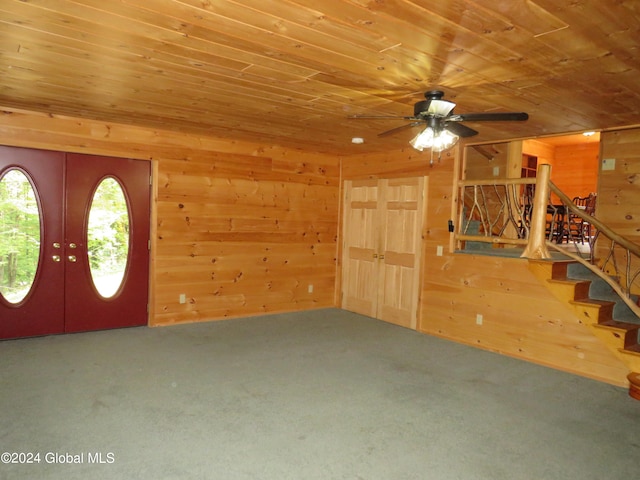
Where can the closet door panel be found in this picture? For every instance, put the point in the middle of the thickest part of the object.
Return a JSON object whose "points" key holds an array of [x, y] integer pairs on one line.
{"points": [[401, 219], [360, 256]]}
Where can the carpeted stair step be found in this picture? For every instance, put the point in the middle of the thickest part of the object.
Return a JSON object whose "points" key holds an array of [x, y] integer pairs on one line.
{"points": [[601, 290]]}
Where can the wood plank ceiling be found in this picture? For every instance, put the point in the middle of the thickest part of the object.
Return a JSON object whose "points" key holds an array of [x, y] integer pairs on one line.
{"points": [[290, 72]]}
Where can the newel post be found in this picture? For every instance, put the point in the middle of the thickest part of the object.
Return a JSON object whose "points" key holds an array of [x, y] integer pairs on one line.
{"points": [[537, 245]]}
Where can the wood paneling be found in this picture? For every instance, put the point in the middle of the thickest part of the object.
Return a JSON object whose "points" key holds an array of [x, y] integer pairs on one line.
{"points": [[618, 204], [486, 161], [575, 169], [244, 239], [290, 72], [240, 229], [520, 317], [619, 190], [544, 152]]}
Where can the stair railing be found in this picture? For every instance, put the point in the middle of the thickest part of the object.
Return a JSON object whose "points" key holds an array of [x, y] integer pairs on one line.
{"points": [[497, 208], [607, 250], [519, 212]]}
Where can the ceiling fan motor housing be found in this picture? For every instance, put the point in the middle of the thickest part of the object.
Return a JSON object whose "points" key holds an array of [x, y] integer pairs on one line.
{"points": [[421, 108]]}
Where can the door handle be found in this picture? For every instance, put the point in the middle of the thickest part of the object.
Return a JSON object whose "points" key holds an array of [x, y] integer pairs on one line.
{"points": [[381, 257], [55, 258], [72, 245], [72, 258]]}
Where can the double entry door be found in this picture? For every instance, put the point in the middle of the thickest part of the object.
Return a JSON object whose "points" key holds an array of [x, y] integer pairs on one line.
{"points": [[74, 242], [382, 244]]}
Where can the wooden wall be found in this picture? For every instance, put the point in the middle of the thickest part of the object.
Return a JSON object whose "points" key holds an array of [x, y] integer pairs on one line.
{"points": [[574, 168], [487, 161], [618, 202], [619, 189], [240, 229], [521, 318], [543, 151]]}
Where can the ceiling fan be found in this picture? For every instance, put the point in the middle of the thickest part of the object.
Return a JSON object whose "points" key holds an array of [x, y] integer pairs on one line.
{"points": [[443, 126]]}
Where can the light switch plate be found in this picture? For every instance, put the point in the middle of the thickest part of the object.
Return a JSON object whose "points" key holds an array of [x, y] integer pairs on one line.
{"points": [[608, 164]]}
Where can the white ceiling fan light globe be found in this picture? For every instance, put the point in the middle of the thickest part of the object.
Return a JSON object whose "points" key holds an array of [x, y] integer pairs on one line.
{"points": [[437, 142]]}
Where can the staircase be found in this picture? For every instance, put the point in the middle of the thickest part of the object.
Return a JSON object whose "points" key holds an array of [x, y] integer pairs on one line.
{"points": [[599, 307]]}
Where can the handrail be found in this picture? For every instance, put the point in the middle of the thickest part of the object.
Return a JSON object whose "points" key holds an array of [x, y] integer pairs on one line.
{"points": [[496, 181], [624, 296], [630, 251], [505, 214], [600, 227]]}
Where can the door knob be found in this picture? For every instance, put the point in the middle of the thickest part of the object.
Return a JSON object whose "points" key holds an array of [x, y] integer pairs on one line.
{"points": [[55, 258], [56, 245], [72, 245], [71, 258]]}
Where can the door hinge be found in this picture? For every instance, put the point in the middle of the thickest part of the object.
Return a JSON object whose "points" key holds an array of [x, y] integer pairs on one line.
{"points": [[149, 245], [150, 179]]}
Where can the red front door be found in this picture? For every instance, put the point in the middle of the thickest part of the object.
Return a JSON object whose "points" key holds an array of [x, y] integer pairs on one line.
{"points": [[41, 312], [64, 296]]}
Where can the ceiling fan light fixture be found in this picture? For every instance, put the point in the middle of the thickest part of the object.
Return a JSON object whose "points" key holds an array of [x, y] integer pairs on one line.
{"points": [[436, 141]]}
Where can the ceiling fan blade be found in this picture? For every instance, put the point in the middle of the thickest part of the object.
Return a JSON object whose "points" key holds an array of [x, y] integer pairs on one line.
{"points": [[489, 117], [399, 129], [460, 129], [381, 116]]}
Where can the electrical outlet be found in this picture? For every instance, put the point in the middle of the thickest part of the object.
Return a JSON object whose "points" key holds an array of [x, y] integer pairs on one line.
{"points": [[439, 250], [479, 319], [310, 288], [183, 298]]}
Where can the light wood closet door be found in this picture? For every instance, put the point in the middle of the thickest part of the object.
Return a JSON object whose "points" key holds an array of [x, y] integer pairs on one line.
{"points": [[360, 249], [381, 251]]}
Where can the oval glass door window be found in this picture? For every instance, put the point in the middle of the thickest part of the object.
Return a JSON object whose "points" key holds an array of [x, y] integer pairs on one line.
{"points": [[108, 237], [19, 236]]}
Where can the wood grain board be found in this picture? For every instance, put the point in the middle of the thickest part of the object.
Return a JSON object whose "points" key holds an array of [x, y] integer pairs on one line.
{"points": [[291, 72]]}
